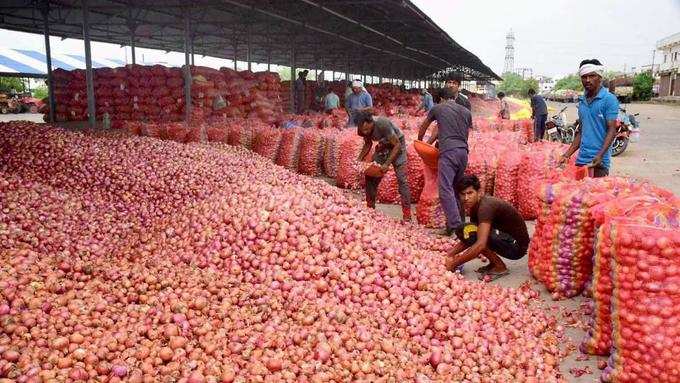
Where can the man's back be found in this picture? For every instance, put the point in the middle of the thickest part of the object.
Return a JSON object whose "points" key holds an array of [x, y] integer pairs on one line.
{"points": [[502, 216], [463, 101], [538, 105], [454, 123]]}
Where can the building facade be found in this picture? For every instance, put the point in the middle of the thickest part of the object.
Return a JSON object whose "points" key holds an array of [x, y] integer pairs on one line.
{"points": [[669, 80]]}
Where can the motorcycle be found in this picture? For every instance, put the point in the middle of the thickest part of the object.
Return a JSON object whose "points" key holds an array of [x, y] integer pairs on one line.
{"points": [[627, 130], [558, 130]]}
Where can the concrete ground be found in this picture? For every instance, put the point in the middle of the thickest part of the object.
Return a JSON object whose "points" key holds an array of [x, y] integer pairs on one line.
{"points": [[33, 117], [656, 157]]}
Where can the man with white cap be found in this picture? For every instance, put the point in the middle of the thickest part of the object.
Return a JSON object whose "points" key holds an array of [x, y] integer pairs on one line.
{"points": [[597, 112], [359, 100]]}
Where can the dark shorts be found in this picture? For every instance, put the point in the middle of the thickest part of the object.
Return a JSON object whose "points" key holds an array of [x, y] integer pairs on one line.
{"points": [[599, 171], [499, 242]]}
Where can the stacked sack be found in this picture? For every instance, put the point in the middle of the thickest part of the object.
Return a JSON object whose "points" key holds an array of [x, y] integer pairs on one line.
{"points": [[311, 153], [646, 296], [349, 174], [70, 95], [598, 340], [534, 170], [561, 251], [208, 93], [156, 93], [388, 190]]}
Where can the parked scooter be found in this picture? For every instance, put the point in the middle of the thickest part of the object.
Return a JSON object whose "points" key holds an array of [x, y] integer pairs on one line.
{"points": [[627, 129], [558, 130]]}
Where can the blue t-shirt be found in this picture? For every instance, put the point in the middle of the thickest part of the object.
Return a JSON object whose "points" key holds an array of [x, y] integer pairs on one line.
{"points": [[355, 102], [594, 117], [331, 101], [428, 102]]}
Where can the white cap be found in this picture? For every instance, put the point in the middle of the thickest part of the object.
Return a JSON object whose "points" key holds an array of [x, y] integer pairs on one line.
{"points": [[357, 84]]}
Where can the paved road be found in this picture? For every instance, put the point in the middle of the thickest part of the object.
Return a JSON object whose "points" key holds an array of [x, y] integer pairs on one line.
{"points": [[34, 117], [657, 156]]}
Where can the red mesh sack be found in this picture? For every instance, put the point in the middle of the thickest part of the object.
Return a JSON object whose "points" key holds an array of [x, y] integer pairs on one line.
{"points": [[177, 131], [266, 142], [598, 339], [151, 130], [505, 181], [331, 153], [311, 153], [388, 190], [289, 150], [349, 172], [646, 304], [416, 177], [561, 252], [429, 212], [240, 134], [217, 133], [196, 134]]}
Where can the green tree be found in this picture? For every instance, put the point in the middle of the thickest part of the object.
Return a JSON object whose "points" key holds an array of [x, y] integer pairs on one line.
{"points": [[9, 83], [40, 92], [513, 84], [642, 86], [570, 82]]}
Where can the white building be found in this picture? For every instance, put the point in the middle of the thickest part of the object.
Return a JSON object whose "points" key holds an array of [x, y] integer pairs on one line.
{"points": [[669, 81]]}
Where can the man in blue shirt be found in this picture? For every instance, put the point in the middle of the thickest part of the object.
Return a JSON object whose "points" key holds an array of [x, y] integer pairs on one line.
{"points": [[360, 100], [426, 102], [597, 112]]}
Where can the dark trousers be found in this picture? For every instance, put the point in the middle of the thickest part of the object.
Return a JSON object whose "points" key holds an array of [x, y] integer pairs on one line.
{"points": [[451, 168], [599, 171], [402, 180], [539, 126]]}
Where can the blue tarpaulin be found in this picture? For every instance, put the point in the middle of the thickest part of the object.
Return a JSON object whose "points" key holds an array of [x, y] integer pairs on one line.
{"points": [[16, 62]]}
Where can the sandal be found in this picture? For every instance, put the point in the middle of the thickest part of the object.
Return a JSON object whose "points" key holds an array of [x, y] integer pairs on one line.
{"points": [[493, 275]]}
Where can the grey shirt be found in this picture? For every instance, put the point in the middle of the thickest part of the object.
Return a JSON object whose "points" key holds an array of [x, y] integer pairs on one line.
{"points": [[455, 122], [383, 129], [538, 105]]}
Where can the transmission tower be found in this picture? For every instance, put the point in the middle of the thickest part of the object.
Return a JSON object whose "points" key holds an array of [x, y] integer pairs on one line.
{"points": [[509, 53]]}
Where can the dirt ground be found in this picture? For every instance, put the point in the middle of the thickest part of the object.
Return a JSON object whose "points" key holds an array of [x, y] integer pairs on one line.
{"points": [[655, 157]]}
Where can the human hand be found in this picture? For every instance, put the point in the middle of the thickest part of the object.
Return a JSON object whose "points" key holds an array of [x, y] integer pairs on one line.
{"points": [[384, 168], [562, 161], [597, 160]]}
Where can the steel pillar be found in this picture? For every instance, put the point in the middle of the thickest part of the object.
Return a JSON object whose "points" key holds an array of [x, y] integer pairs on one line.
{"points": [[48, 54], [248, 48], [293, 77], [89, 74], [187, 69]]}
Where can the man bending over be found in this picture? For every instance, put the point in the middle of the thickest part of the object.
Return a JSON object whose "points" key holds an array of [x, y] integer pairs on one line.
{"points": [[496, 230]]}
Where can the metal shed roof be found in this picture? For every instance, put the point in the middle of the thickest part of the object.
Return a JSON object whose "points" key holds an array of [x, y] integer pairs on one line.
{"points": [[388, 38]]}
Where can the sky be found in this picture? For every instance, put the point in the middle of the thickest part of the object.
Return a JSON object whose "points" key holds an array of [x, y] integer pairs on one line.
{"points": [[551, 37]]}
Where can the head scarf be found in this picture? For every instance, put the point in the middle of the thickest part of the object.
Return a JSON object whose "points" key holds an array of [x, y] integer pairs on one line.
{"points": [[591, 68]]}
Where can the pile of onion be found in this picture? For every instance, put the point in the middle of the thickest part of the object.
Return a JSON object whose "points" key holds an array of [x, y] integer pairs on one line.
{"points": [[135, 259]]}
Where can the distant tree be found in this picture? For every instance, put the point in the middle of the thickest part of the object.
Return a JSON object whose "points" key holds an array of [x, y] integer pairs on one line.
{"points": [[9, 83], [642, 86], [514, 85], [40, 92], [570, 82]]}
